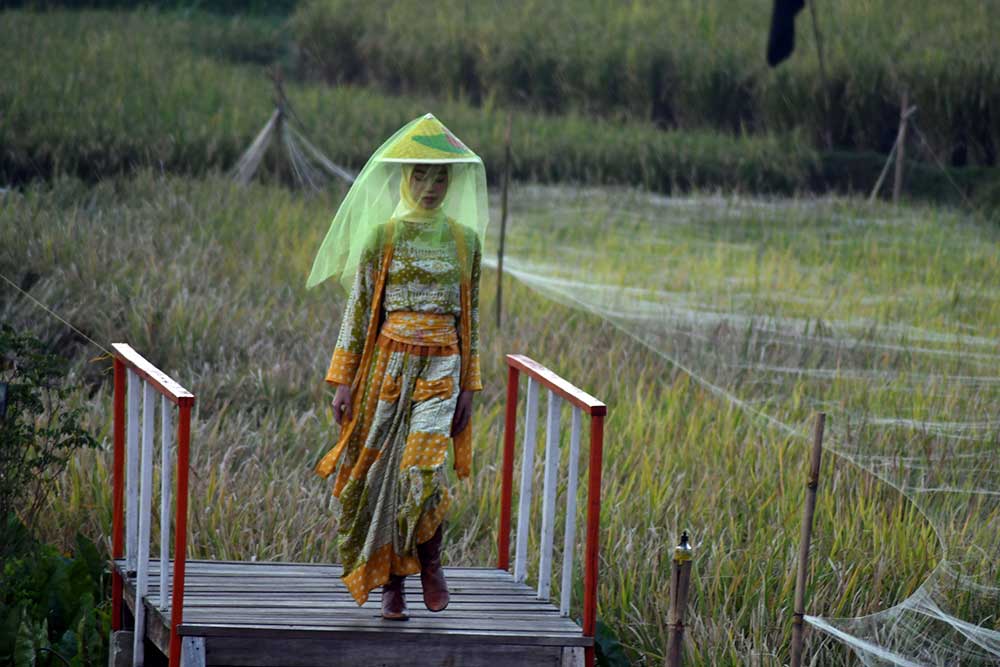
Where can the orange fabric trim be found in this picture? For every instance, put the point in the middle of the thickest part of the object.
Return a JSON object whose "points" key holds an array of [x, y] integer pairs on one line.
{"points": [[343, 477], [420, 328], [365, 461], [364, 418], [327, 464], [426, 389], [390, 345], [463, 452], [375, 571], [463, 440], [424, 450], [473, 380], [390, 389], [343, 366]]}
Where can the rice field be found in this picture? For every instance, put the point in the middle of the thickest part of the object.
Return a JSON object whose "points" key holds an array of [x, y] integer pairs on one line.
{"points": [[187, 92], [684, 64], [713, 325], [207, 279]]}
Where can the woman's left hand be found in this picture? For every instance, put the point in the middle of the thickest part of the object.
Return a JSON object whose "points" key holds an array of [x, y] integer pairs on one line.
{"points": [[463, 410]]}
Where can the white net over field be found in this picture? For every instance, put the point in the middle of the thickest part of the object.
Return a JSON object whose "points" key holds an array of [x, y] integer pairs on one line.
{"points": [[888, 321]]}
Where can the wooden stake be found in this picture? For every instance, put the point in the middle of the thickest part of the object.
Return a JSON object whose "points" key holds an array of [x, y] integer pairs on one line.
{"points": [[885, 170], [897, 186], [807, 520], [680, 581], [503, 218]]}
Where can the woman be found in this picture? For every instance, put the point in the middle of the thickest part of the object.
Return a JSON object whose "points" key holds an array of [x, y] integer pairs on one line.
{"points": [[406, 362]]}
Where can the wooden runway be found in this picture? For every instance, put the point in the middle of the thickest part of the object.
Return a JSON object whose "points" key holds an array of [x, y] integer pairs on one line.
{"points": [[300, 615]]}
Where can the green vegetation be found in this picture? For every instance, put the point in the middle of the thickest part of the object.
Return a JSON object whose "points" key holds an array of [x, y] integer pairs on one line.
{"points": [[52, 606], [207, 279], [116, 131], [241, 7], [690, 64], [39, 432], [106, 92]]}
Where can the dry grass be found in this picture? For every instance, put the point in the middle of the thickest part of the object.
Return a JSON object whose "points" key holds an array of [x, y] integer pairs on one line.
{"points": [[207, 280]]}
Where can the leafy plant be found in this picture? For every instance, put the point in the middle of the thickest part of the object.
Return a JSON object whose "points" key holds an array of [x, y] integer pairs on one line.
{"points": [[608, 650], [38, 432], [55, 607], [53, 604]]}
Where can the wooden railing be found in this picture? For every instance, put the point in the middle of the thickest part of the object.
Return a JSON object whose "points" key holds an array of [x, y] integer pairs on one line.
{"points": [[136, 378], [582, 403]]}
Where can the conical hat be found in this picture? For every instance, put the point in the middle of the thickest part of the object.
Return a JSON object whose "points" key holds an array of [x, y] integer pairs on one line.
{"points": [[428, 141]]}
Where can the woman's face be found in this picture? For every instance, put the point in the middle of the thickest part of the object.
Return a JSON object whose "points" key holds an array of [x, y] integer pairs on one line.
{"points": [[429, 184]]}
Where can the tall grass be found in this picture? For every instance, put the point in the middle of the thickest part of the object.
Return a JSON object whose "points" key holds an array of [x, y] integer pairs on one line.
{"points": [[105, 92], [688, 64], [207, 280]]}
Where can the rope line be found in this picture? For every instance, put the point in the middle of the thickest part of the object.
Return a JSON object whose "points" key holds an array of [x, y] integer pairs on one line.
{"points": [[53, 313]]}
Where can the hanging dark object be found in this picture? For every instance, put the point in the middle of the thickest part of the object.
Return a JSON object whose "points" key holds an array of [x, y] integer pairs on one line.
{"points": [[3, 401], [781, 41]]}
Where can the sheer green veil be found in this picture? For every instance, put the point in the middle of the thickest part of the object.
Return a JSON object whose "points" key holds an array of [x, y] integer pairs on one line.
{"points": [[374, 199]]}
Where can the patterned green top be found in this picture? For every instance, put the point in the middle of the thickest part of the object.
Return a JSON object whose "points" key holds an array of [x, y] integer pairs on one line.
{"points": [[424, 276]]}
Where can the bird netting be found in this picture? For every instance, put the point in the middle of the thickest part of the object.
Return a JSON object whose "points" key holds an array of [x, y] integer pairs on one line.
{"points": [[888, 321], [309, 167]]}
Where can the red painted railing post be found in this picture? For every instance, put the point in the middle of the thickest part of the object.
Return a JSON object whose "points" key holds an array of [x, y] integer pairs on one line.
{"points": [[507, 472], [593, 532], [180, 530], [118, 491]]}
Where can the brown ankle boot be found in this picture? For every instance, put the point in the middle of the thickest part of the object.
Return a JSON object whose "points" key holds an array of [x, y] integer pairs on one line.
{"points": [[431, 575], [393, 599]]}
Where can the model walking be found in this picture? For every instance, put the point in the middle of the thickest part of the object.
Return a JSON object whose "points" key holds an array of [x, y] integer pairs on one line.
{"points": [[406, 243]]}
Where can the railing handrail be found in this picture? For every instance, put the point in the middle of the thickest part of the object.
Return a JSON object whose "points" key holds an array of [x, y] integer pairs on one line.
{"points": [[558, 384], [132, 371], [559, 388], [160, 381]]}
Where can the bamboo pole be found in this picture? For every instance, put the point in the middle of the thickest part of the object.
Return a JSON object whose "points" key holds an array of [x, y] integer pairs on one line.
{"points": [[680, 581], [896, 154], [503, 218], [885, 170], [904, 116], [807, 519]]}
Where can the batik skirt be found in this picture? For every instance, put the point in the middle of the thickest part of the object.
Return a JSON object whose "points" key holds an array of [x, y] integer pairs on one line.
{"points": [[391, 478]]}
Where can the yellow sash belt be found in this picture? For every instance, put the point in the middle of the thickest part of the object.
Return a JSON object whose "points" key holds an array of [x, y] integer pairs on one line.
{"points": [[420, 328]]}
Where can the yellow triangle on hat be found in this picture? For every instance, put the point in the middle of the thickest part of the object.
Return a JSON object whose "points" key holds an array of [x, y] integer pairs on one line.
{"points": [[428, 140]]}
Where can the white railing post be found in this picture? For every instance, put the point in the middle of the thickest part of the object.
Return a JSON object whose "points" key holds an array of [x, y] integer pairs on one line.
{"points": [[132, 472], [166, 440], [527, 470], [145, 519], [549, 496], [582, 404], [569, 541]]}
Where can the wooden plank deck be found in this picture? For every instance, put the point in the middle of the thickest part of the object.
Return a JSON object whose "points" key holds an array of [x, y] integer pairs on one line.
{"points": [[299, 615]]}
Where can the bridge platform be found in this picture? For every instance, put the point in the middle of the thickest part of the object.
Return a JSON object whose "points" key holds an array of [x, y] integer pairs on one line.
{"points": [[249, 614], [298, 615]]}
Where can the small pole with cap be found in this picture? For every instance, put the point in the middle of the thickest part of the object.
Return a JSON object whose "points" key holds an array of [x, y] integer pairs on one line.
{"points": [[680, 581], [808, 510]]}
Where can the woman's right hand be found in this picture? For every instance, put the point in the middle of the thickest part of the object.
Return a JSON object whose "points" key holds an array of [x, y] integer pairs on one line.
{"points": [[342, 404]]}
